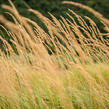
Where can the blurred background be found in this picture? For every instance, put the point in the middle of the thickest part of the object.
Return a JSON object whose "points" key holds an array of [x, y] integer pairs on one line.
{"points": [[57, 8]]}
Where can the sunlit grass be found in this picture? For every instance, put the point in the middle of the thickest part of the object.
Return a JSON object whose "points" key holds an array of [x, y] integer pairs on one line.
{"points": [[75, 76]]}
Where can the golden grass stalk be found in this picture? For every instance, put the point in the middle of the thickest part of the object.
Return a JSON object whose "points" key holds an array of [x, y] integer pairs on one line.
{"points": [[75, 76], [95, 13]]}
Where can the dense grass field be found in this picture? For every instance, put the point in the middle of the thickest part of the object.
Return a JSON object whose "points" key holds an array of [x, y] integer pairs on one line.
{"points": [[66, 67]]}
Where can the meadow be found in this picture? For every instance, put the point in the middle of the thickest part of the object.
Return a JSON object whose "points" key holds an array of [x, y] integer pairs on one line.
{"points": [[75, 75]]}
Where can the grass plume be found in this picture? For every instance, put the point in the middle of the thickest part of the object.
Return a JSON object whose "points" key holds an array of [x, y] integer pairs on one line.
{"points": [[75, 76]]}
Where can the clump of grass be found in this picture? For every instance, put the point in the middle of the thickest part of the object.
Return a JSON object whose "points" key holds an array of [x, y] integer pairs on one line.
{"points": [[95, 13], [76, 76]]}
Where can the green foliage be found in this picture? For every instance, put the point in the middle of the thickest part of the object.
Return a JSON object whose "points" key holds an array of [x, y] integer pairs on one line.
{"points": [[57, 8]]}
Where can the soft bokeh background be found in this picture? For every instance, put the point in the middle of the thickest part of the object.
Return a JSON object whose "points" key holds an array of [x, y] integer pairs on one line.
{"points": [[57, 8]]}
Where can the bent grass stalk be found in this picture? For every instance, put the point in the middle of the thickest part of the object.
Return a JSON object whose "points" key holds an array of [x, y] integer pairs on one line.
{"points": [[76, 76]]}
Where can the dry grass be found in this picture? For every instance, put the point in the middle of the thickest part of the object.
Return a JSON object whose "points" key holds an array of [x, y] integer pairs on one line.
{"points": [[95, 13], [76, 76]]}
